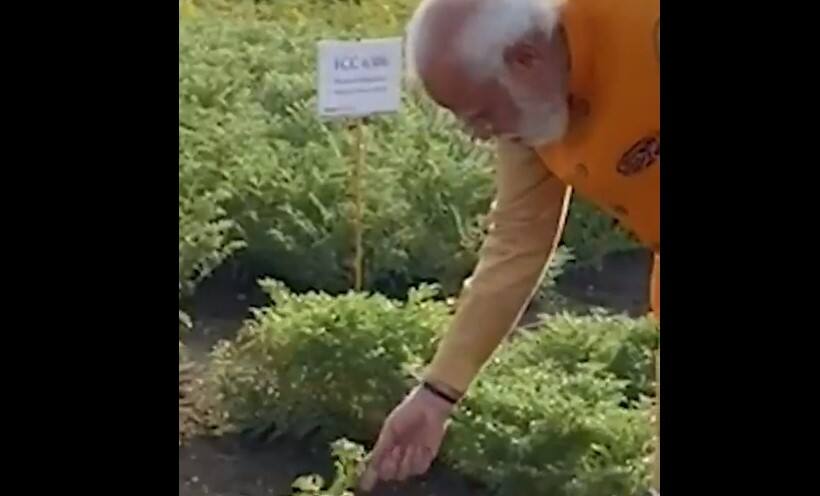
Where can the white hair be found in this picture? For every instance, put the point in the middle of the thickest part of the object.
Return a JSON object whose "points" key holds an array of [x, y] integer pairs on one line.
{"points": [[490, 29]]}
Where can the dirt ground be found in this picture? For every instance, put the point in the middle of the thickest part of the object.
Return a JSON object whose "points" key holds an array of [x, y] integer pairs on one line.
{"points": [[230, 466]]}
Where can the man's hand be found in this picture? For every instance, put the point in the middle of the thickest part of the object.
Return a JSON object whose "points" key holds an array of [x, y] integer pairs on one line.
{"points": [[409, 440]]}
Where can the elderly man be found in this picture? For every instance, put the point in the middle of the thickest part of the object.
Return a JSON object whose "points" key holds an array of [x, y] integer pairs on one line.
{"points": [[570, 91]]}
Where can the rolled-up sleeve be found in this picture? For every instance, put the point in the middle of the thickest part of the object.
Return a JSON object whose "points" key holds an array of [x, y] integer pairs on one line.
{"points": [[526, 221]]}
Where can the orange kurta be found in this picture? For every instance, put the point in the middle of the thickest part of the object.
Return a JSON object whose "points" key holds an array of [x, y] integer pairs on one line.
{"points": [[611, 154]]}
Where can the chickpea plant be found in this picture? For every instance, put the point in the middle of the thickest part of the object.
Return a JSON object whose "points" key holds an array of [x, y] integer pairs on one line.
{"points": [[349, 465]]}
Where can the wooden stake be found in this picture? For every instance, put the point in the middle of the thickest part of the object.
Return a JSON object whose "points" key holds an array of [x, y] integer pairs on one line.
{"points": [[358, 202]]}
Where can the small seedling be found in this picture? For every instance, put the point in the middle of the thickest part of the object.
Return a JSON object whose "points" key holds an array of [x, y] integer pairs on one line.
{"points": [[349, 467]]}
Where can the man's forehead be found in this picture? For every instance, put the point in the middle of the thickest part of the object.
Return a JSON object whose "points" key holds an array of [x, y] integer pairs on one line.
{"points": [[442, 71], [443, 19], [439, 62], [452, 6], [449, 84]]}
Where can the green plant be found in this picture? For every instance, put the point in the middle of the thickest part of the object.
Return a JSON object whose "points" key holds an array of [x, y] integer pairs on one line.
{"points": [[264, 166], [314, 360], [368, 17], [560, 410], [349, 465], [563, 409], [206, 237], [548, 299], [249, 131], [591, 233], [539, 430], [617, 345]]}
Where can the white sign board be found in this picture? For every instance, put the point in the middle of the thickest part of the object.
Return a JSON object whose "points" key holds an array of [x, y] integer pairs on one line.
{"points": [[358, 78]]}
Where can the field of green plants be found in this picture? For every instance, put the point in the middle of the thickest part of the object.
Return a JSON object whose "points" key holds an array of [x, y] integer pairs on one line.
{"points": [[264, 200]]}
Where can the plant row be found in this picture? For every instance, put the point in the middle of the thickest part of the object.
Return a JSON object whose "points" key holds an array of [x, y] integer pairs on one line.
{"points": [[562, 409]]}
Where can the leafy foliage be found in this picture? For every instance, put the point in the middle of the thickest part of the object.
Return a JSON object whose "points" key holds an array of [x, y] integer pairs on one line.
{"points": [[562, 410], [349, 466], [539, 430], [256, 163], [547, 296], [558, 411], [206, 238], [592, 233], [315, 360], [618, 345], [248, 127], [328, 17]]}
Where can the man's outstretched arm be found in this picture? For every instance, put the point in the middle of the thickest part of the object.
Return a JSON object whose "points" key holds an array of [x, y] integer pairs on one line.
{"points": [[526, 221], [525, 225]]}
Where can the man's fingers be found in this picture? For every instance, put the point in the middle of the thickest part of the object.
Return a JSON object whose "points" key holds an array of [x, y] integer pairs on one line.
{"points": [[424, 459], [369, 478], [406, 463], [371, 474], [421, 460], [383, 445], [390, 464]]}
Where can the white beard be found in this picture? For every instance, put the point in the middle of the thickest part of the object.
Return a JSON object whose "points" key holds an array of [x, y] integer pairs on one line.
{"points": [[543, 125], [541, 121]]}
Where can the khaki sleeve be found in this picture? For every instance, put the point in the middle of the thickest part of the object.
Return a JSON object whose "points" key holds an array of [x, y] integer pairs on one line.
{"points": [[525, 225]]}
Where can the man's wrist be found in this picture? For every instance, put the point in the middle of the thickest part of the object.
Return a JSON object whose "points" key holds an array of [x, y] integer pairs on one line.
{"points": [[441, 388], [442, 391], [437, 405]]}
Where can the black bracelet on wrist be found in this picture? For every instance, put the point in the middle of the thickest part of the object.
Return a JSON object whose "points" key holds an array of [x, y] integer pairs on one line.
{"points": [[438, 392]]}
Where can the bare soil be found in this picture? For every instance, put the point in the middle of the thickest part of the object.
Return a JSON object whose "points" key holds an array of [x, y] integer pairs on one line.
{"points": [[233, 466], [227, 466]]}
